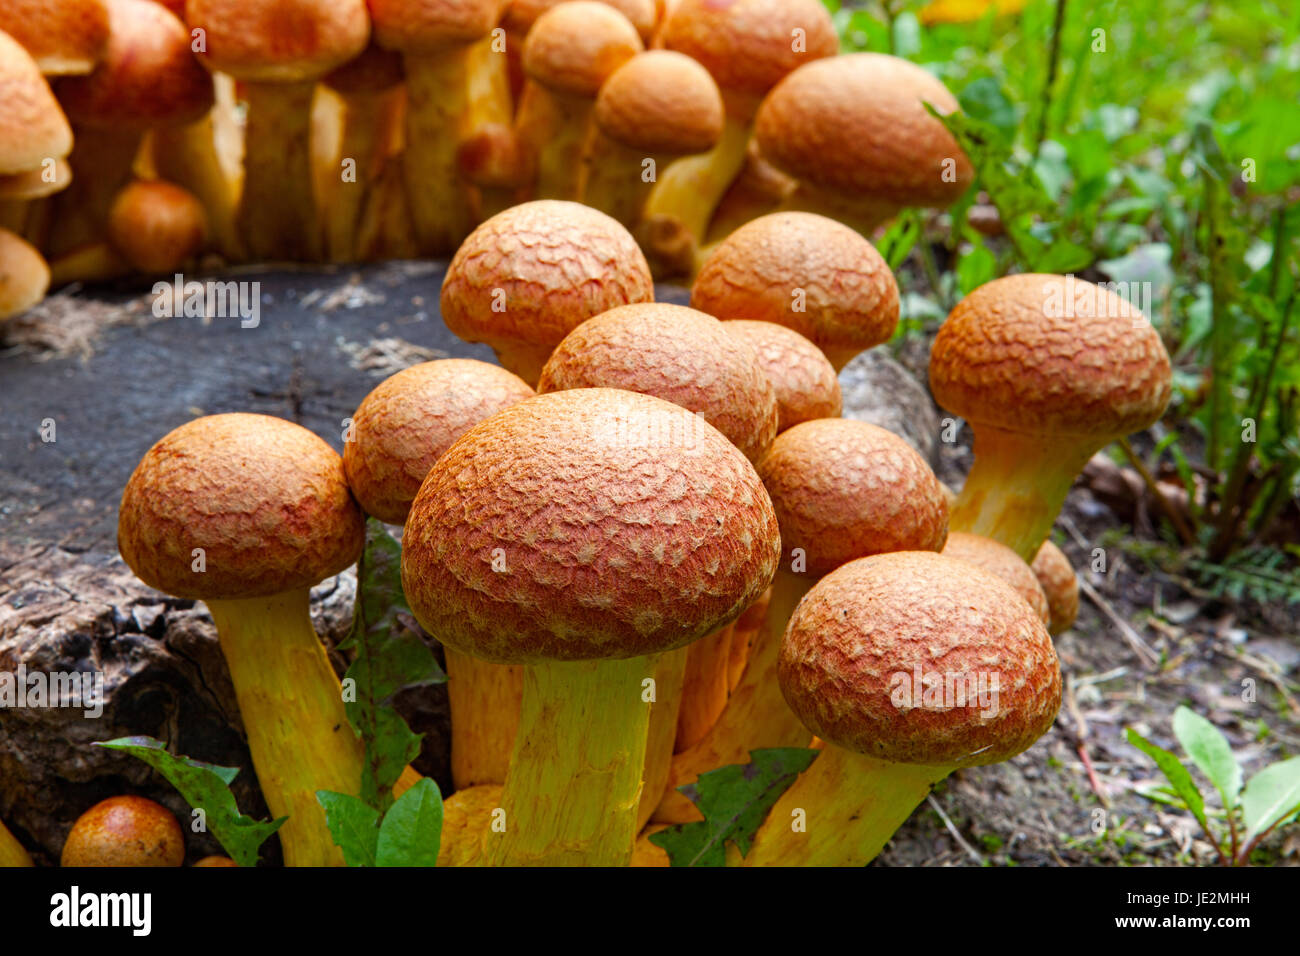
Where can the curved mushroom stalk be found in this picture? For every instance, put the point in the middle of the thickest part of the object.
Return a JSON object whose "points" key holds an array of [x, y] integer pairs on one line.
{"points": [[670, 674], [301, 742], [484, 701], [278, 212], [705, 686]]}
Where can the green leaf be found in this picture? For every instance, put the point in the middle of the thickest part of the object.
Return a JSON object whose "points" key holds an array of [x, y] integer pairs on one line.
{"points": [[1271, 796], [1210, 751], [412, 828], [388, 658], [1178, 776], [734, 800], [205, 787], [353, 824]]}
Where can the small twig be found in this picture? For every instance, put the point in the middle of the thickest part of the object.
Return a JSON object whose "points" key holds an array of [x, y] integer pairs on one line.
{"points": [[1185, 533], [1053, 60], [974, 855], [1134, 639], [1081, 741]]}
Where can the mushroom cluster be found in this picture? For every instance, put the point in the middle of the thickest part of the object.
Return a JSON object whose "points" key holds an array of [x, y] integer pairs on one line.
{"points": [[138, 137], [647, 542]]}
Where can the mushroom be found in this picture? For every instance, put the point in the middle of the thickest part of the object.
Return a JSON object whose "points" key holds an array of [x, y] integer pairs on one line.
{"points": [[842, 489], [759, 189], [530, 275], [1061, 587], [748, 46], [157, 227], [687, 358], [64, 37], [582, 534], [851, 661], [656, 107], [570, 52], [125, 831], [808, 273], [440, 42], [466, 822], [398, 431], [220, 861], [370, 87], [1001, 562], [147, 78], [247, 513], [278, 50], [34, 134], [12, 853], [855, 132], [1046, 370], [24, 276], [803, 378]]}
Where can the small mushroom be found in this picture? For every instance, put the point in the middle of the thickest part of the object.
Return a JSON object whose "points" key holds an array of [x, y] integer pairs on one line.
{"points": [[1060, 585], [907, 666], [1001, 562], [803, 378], [125, 831]]}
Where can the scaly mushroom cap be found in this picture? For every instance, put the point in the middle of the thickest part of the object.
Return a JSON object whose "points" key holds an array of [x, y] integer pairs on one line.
{"points": [[522, 14], [430, 26], [148, 76], [63, 36], [804, 380], [749, 45], [586, 524], [409, 419], [1050, 355], [24, 275], [1055, 574], [661, 102], [125, 831], [374, 70], [575, 47], [32, 126], [279, 41], [265, 499], [535, 272], [1000, 561], [856, 125], [843, 489], [157, 226], [806, 272], [857, 642], [677, 354]]}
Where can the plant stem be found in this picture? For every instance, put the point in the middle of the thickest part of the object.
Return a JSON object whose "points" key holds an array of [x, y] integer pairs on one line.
{"points": [[1053, 59], [1184, 532]]}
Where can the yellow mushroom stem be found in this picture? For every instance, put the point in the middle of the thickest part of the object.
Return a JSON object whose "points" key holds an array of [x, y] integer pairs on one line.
{"points": [[467, 820], [97, 262], [484, 702], [705, 687], [444, 103], [619, 179], [1017, 485], [491, 104], [291, 704], [365, 142], [841, 811], [690, 189], [756, 715], [385, 231], [187, 156], [747, 628], [277, 215], [571, 795], [12, 853], [863, 215], [670, 674], [292, 708], [552, 130]]}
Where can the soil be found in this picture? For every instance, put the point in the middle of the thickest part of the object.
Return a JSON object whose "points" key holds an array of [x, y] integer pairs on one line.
{"points": [[112, 378]]}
